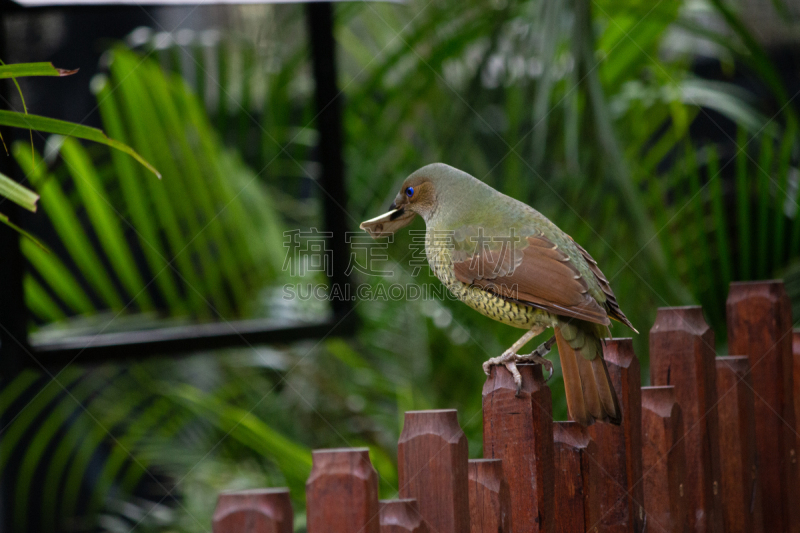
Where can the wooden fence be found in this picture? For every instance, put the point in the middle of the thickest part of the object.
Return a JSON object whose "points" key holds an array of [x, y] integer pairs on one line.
{"points": [[709, 447]]}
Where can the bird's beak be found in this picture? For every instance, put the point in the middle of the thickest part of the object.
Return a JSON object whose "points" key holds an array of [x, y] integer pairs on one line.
{"points": [[386, 224]]}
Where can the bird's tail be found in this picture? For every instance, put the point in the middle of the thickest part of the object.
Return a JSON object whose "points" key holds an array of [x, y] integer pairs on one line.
{"points": [[590, 394]]}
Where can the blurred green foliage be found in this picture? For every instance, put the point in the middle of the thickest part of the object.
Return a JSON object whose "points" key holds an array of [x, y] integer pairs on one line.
{"points": [[583, 110]]}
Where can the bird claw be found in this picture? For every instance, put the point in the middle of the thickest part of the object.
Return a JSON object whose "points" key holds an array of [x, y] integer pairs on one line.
{"points": [[537, 356], [533, 357], [510, 360]]}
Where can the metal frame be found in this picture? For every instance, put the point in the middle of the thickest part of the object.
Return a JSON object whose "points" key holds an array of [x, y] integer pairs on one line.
{"points": [[185, 339]]}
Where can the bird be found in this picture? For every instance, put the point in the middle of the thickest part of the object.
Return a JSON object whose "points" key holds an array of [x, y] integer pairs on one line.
{"points": [[509, 262]]}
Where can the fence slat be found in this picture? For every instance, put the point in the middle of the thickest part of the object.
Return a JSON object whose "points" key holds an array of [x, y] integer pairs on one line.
{"points": [[796, 377], [254, 511], [759, 326], [664, 461], [577, 506], [432, 457], [519, 430], [489, 497], [620, 447], [401, 516], [342, 492], [682, 353], [741, 488]]}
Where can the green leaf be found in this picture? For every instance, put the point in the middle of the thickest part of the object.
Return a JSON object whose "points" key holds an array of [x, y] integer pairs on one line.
{"points": [[743, 199], [782, 195], [105, 219], [66, 222], [58, 277], [4, 219], [95, 433], [137, 198], [724, 257], [51, 391], [143, 424], [62, 127], [19, 70], [39, 301], [726, 99], [16, 388], [19, 194], [762, 179], [292, 458], [148, 135], [70, 406]]}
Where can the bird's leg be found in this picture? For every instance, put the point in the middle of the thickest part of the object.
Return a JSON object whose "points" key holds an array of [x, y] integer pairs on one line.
{"points": [[537, 356], [510, 357]]}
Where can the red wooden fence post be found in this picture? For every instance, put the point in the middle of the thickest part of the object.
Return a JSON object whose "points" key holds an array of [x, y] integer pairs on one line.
{"points": [[796, 375], [489, 497], [759, 326], [253, 511], [741, 488], [682, 354], [519, 430], [664, 461], [577, 506], [342, 492], [432, 457], [401, 516], [619, 448]]}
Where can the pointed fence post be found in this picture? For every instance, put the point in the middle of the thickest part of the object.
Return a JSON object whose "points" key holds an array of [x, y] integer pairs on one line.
{"points": [[664, 461], [619, 448], [489, 497], [519, 430], [682, 354], [253, 511], [760, 326], [342, 492], [577, 506], [741, 488], [401, 516], [432, 457]]}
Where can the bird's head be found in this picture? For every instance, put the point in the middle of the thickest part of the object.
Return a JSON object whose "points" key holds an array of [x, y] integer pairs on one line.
{"points": [[419, 195]]}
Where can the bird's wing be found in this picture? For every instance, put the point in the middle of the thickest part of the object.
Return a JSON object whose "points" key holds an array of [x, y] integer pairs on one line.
{"points": [[535, 272], [610, 304]]}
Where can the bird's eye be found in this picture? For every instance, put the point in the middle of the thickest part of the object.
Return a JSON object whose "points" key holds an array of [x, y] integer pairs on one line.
{"points": [[410, 192]]}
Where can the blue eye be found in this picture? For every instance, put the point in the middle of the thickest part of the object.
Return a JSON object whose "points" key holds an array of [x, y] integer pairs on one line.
{"points": [[410, 192]]}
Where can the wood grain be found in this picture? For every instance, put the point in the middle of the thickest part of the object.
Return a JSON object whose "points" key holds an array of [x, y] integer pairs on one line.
{"points": [[519, 430], [489, 497], [401, 516], [796, 372], [342, 492], [432, 457], [253, 511], [741, 488], [759, 326], [620, 447], [682, 354], [577, 499], [664, 461]]}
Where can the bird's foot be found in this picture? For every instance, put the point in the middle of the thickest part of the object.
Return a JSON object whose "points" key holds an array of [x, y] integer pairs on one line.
{"points": [[534, 357], [537, 356], [510, 359]]}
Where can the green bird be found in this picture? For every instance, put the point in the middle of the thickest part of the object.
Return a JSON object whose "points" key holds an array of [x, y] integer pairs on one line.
{"points": [[509, 262]]}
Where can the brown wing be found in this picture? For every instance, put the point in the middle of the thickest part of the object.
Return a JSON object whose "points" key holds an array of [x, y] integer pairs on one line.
{"points": [[543, 276], [611, 304]]}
